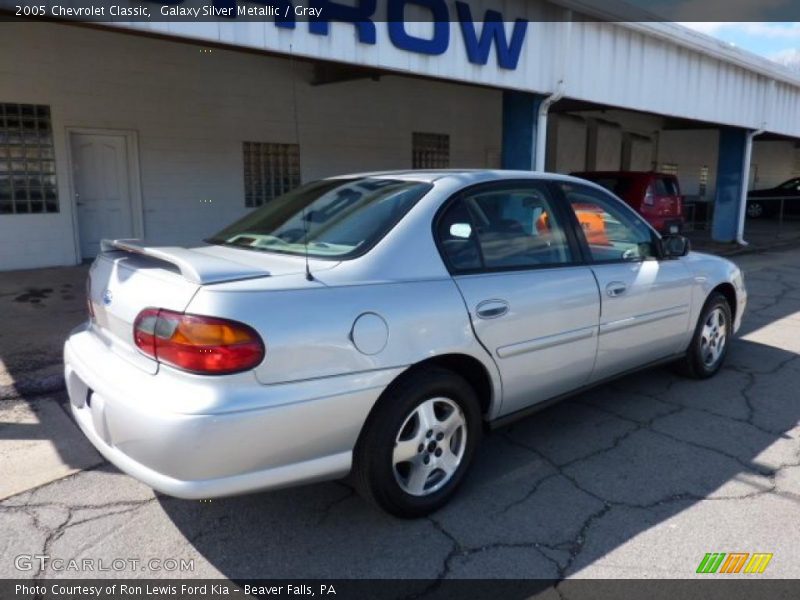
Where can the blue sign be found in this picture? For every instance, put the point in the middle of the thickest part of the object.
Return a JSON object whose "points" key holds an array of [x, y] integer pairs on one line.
{"points": [[478, 44]]}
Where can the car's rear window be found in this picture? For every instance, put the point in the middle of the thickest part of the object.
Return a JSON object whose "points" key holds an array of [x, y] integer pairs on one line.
{"points": [[666, 186], [333, 218], [616, 185]]}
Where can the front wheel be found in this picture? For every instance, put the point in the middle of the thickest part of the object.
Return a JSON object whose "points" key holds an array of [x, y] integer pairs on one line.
{"points": [[417, 445], [709, 345]]}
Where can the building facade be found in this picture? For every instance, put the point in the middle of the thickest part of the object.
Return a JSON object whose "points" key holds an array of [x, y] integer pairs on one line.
{"points": [[170, 131]]}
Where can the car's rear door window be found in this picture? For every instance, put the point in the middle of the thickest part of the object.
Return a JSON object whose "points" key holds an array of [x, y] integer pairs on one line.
{"points": [[503, 227], [612, 231]]}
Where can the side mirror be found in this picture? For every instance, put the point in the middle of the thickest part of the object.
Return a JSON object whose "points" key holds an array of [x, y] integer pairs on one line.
{"points": [[675, 246], [460, 230]]}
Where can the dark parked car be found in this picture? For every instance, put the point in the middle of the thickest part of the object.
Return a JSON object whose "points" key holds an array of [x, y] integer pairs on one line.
{"points": [[655, 196], [767, 203]]}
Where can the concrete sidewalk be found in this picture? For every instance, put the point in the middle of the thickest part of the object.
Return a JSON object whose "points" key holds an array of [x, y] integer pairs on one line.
{"points": [[637, 479], [39, 308], [39, 442], [761, 235]]}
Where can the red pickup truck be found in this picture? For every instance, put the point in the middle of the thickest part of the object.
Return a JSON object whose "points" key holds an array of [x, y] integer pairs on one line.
{"points": [[656, 196]]}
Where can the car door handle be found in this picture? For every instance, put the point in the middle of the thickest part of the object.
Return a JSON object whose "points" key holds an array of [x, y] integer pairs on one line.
{"points": [[616, 288], [491, 309]]}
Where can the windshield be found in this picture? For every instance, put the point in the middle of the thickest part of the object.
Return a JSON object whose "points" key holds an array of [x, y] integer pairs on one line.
{"points": [[790, 185], [333, 218]]}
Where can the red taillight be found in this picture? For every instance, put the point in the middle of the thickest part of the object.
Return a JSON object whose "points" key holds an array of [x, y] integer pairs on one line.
{"points": [[649, 196], [196, 343], [679, 205], [144, 328]]}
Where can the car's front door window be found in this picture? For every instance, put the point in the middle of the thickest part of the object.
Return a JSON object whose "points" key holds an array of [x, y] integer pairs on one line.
{"points": [[503, 227], [612, 233]]}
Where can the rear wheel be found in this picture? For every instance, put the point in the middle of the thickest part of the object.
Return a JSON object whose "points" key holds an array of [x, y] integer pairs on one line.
{"points": [[709, 344], [755, 210], [418, 444]]}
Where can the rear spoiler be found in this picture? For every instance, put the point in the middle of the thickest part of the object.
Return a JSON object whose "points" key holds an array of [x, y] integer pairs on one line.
{"points": [[195, 267]]}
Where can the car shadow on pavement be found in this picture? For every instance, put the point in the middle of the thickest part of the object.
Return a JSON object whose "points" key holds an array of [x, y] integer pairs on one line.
{"points": [[548, 496]]}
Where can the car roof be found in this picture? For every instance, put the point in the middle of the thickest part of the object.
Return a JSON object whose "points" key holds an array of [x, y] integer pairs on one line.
{"points": [[631, 174], [466, 176]]}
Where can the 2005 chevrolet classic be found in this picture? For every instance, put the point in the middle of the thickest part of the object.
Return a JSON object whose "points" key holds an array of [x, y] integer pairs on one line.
{"points": [[376, 324]]}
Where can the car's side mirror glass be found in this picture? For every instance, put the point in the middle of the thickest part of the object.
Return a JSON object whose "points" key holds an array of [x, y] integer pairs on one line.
{"points": [[461, 230], [675, 246]]}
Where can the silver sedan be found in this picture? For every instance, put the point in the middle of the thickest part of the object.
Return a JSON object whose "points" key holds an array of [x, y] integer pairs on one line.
{"points": [[377, 325]]}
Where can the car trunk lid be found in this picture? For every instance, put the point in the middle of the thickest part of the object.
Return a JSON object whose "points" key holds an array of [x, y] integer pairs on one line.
{"points": [[120, 286], [131, 275]]}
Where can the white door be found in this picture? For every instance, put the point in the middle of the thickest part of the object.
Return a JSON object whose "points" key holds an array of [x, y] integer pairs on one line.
{"points": [[102, 189]]}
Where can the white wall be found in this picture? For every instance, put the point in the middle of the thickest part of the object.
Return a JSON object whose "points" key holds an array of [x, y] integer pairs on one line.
{"points": [[644, 139], [566, 144], [637, 153], [774, 162], [570, 148], [601, 140], [691, 150], [192, 110], [607, 151], [645, 66]]}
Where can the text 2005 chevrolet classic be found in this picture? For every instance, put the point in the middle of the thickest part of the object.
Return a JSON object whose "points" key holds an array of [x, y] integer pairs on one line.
{"points": [[376, 324]]}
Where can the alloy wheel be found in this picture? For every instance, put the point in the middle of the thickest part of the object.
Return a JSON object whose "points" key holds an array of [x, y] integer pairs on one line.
{"points": [[755, 210], [714, 337], [429, 447]]}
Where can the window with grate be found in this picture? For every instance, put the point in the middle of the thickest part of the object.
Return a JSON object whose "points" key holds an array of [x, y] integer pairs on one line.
{"points": [[269, 171], [669, 169], [27, 164], [430, 150], [703, 182]]}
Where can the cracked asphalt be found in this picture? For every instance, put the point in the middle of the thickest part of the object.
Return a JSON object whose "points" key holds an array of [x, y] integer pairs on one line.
{"points": [[636, 479]]}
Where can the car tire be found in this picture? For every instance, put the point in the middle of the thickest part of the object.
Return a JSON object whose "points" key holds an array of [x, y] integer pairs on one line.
{"points": [[755, 210], [709, 346], [418, 443]]}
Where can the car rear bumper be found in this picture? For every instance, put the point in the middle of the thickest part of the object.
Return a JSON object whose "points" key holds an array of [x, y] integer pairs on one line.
{"points": [[667, 226], [250, 437]]}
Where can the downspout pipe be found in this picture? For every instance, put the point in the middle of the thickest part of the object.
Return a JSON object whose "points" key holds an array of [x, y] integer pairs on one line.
{"points": [[541, 126], [558, 94], [748, 154]]}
